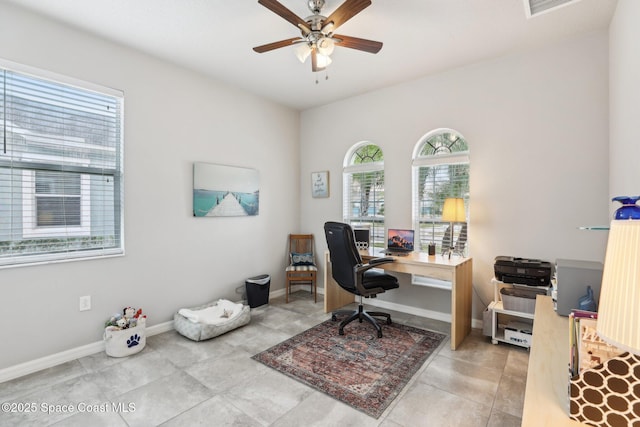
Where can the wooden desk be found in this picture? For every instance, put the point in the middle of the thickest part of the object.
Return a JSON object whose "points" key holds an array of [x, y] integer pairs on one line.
{"points": [[456, 270], [546, 399]]}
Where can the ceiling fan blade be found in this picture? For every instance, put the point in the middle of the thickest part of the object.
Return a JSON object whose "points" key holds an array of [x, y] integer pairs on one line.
{"points": [[276, 45], [314, 62], [357, 43], [280, 10], [344, 12]]}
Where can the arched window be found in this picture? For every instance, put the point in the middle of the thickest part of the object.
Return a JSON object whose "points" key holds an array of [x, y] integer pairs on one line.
{"points": [[440, 171], [363, 182]]}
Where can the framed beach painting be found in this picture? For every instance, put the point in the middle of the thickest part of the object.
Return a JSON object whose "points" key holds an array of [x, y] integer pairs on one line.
{"points": [[220, 190], [320, 184]]}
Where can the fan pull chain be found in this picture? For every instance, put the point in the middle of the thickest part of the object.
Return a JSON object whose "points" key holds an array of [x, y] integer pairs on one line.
{"points": [[326, 76]]}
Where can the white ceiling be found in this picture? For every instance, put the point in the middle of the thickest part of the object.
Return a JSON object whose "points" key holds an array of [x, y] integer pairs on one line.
{"points": [[420, 37]]}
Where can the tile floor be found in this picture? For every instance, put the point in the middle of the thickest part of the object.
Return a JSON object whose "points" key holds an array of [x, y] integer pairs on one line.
{"points": [[177, 382]]}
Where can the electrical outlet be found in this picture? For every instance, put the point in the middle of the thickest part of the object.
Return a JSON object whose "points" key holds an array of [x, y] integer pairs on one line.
{"points": [[85, 303]]}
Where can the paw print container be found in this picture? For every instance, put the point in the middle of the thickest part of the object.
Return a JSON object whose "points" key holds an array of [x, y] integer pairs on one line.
{"points": [[125, 342]]}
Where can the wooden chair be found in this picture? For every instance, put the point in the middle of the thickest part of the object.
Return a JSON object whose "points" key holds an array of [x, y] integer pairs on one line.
{"points": [[302, 264]]}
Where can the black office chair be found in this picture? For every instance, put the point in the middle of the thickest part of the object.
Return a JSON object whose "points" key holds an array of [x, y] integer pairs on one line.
{"points": [[354, 276]]}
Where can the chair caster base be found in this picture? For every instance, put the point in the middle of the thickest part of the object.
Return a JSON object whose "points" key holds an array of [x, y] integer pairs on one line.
{"points": [[361, 316]]}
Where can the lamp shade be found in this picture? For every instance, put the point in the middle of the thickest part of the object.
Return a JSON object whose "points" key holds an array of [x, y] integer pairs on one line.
{"points": [[453, 210], [322, 61], [326, 46], [302, 52], [619, 307]]}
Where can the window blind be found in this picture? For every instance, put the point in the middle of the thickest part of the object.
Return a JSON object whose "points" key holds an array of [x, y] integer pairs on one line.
{"points": [[363, 192], [440, 171], [61, 186]]}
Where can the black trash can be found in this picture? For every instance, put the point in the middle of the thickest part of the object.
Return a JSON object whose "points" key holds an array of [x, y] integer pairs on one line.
{"points": [[258, 290]]}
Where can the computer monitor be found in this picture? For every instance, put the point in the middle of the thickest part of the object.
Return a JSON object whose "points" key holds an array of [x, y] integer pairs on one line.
{"points": [[400, 240], [362, 238]]}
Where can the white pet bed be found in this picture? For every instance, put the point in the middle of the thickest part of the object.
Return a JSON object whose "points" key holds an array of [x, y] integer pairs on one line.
{"points": [[210, 320]]}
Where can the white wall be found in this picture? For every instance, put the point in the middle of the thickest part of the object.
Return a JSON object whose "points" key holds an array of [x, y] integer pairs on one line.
{"points": [[173, 117], [624, 57], [537, 127]]}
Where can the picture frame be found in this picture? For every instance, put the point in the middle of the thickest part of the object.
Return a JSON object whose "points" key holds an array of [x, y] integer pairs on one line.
{"points": [[320, 184], [221, 190]]}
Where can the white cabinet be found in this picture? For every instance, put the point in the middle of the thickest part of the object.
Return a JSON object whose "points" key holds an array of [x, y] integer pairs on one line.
{"points": [[511, 326]]}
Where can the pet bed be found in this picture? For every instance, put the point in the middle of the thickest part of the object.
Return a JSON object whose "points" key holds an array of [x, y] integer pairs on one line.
{"points": [[210, 320]]}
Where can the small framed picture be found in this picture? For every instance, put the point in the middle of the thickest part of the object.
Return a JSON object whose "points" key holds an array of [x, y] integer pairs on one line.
{"points": [[320, 184]]}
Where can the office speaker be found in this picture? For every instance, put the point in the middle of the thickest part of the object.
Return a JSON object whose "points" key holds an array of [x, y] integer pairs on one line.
{"points": [[362, 238]]}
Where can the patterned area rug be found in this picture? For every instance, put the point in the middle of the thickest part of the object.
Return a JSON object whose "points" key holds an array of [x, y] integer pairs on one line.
{"points": [[357, 368]]}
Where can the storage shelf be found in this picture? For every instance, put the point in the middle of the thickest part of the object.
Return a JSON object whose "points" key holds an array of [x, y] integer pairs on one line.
{"points": [[595, 228], [498, 336], [497, 309]]}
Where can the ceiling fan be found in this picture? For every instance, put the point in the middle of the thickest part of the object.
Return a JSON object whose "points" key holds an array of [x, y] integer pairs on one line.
{"points": [[318, 32]]}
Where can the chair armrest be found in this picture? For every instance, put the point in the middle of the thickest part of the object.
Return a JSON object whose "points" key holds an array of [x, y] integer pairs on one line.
{"points": [[383, 260], [359, 270], [373, 263]]}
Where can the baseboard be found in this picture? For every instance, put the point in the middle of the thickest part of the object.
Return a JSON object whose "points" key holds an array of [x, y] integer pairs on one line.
{"points": [[430, 314], [276, 294], [160, 328], [32, 366], [294, 288]]}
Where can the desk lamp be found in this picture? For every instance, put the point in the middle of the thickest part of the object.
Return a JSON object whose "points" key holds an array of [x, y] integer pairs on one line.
{"points": [[619, 308], [453, 211]]}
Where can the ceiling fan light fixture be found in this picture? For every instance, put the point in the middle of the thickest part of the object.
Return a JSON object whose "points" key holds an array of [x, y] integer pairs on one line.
{"points": [[318, 39], [327, 27], [326, 46], [302, 52], [323, 61]]}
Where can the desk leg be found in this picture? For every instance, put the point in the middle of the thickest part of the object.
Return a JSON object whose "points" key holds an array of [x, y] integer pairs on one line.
{"points": [[334, 296], [461, 296]]}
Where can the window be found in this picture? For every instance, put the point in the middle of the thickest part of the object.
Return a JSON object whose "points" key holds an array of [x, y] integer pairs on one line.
{"points": [[57, 199], [440, 171], [60, 168], [54, 199], [363, 181]]}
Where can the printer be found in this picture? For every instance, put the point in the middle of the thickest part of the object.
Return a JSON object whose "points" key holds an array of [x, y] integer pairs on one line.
{"points": [[523, 271]]}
